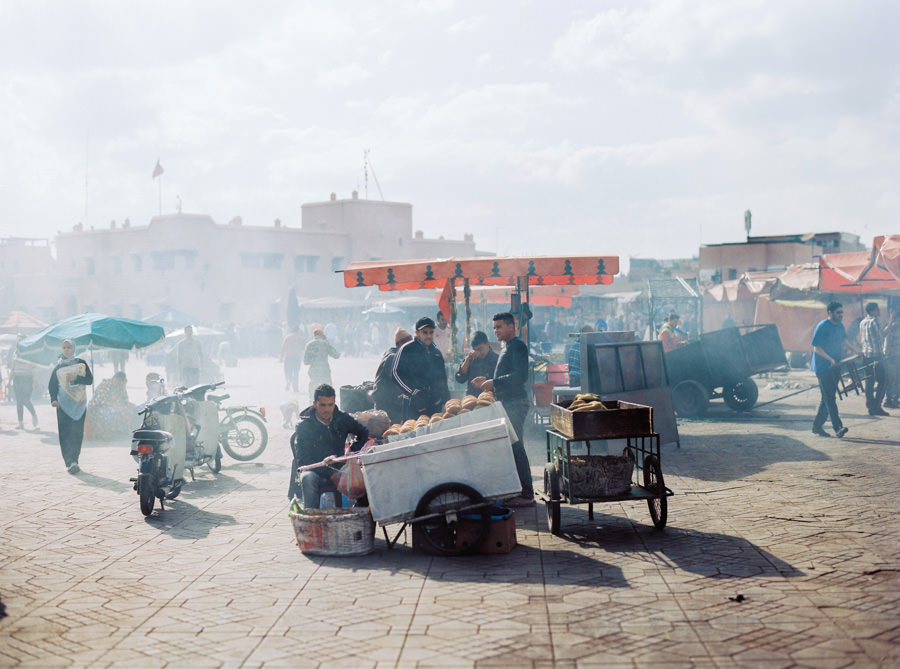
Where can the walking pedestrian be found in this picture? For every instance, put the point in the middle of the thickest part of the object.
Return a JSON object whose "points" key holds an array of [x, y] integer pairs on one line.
{"points": [[23, 376], [190, 358], [871, 339], [68, 395], [828, 345], [316, 355], [292, 358]]}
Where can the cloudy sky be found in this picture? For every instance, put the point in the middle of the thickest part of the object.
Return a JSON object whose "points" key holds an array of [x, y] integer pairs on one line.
{"points": [[639, 129]]}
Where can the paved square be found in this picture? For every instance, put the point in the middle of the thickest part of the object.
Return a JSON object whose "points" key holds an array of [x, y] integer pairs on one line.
{"points": [[782, 550]]}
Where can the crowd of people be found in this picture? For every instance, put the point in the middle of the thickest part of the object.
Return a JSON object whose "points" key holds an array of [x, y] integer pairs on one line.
{"points": [[411, 381], [411, 378]]}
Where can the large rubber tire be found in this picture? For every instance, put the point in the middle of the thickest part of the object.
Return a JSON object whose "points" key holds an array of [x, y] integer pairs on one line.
{"points": [[741, 395], [653, 481], [439, 535], [551, 489], [243, 437], [690, 399], [215, 465], [146, 493]]}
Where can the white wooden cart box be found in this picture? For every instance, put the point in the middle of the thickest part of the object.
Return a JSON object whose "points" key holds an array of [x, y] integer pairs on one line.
{"points": [[398, 474]]}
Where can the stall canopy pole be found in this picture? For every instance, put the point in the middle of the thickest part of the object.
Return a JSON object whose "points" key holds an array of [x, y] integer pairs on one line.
{"points": [[454, 337], [467, 295]]}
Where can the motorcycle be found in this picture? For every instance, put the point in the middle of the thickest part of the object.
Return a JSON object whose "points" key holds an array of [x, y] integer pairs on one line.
{"points": [[175, 436], [242, 430]]}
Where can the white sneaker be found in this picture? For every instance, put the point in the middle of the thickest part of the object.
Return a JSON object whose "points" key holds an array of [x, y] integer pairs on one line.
{"points": [[21, 425], [34, 421]]}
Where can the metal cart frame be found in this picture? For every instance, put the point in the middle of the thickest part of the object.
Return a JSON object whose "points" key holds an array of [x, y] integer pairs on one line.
{"points": [[647, 481]]}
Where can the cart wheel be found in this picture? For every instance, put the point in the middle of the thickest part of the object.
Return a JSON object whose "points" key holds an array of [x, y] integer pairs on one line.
{"points": [[742, 395], [551, 489], [653, 481], [690, 399], [445, 534]]}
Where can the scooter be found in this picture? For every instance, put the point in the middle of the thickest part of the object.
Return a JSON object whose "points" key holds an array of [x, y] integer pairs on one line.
{"points": [[178, 432]]}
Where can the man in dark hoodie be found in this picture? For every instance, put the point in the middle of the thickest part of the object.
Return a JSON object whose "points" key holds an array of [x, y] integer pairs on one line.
{"points": [[321, 434], [387, 391], [419, 371]]}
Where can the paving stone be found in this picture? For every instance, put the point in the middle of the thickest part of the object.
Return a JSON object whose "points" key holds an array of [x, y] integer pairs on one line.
{"points": [[798, 527]]}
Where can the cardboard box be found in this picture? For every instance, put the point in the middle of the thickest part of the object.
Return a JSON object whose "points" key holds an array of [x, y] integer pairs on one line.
{"points": [[501, 535], [621, 420]]}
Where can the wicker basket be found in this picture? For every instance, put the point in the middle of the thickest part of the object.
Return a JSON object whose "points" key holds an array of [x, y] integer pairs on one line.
{"points": [[600, 475], [334, 531]]}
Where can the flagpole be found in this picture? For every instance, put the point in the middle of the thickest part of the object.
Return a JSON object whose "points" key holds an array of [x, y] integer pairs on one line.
{"points": [[160, 194]]}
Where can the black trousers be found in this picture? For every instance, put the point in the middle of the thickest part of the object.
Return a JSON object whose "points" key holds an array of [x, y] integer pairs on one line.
{"points": [[71, 435]]}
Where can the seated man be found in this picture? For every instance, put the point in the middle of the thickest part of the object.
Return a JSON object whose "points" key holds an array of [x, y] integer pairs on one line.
{"points": [[321, 434]]}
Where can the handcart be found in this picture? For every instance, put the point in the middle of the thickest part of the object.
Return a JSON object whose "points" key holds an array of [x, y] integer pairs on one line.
{"points": [[578, 476], [442, 483], [851, 375]]}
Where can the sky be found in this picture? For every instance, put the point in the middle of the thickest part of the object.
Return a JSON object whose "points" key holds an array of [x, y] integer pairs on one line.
{"points": [[638, 129]]}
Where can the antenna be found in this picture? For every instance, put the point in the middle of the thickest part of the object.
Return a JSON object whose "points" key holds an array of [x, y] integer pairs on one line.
{"points": [[366, 171], [366, 166]]}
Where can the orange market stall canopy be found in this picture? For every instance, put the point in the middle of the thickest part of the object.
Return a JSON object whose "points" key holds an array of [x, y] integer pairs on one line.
{"points": [[863, 272], [448, 274]]}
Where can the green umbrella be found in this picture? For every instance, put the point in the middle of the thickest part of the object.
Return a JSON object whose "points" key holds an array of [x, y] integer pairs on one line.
{"points": [[88, 331]]}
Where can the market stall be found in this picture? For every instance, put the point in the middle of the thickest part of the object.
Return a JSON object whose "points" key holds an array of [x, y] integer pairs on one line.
{"points": [[520, 274]]}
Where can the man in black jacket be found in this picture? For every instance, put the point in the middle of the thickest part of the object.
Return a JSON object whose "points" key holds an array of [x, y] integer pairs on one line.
{"points": [[387, 391], [321, 434], [419, 371], [508, 386]]}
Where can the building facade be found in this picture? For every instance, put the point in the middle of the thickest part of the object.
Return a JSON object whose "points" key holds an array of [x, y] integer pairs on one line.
{"points": [[725, 262], [226, 272]]}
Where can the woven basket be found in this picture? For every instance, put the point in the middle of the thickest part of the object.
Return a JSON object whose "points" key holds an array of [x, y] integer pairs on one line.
{"points": [[600, 475], [334, 531]]}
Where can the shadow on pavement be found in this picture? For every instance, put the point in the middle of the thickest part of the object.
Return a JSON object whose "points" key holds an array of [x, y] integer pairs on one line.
{"points": [[182, 520], [730, 457], [707, 554], [102, 482], [208, 484], [521, 566]]}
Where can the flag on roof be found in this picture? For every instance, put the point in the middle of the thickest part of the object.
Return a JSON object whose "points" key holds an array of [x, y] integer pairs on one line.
{"points": [[158, 170]]}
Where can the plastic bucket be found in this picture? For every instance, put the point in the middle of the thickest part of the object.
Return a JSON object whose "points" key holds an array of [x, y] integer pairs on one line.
{"points": [[558, 375]]}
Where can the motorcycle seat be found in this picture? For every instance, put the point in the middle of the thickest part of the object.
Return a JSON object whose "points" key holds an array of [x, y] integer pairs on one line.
{"points": [[218, 398], [151, 435]]}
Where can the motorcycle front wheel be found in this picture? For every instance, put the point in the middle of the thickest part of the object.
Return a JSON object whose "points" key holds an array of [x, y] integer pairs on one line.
{"points": [[146, 493], [243, 437]]}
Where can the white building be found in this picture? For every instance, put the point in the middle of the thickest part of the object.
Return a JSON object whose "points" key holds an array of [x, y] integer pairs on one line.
{"points": [[231, 272]]}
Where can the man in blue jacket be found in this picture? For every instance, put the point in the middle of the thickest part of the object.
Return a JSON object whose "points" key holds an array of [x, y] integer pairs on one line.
{"points": [[828, 346], [321, 434]]}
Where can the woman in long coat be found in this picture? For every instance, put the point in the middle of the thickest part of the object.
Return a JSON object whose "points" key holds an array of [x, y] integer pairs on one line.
{"points": [[68, 395], [316, 355]]}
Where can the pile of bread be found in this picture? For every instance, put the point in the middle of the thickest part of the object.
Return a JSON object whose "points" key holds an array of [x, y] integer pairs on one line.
{"points": [[452, 408], [587, 402]]}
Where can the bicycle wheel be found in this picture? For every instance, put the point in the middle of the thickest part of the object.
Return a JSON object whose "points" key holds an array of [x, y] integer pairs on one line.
{"points": [[243, 437]]}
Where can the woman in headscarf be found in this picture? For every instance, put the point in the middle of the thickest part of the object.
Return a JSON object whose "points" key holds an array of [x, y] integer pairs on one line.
{"points": [[68, 395], [316, 355]]}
